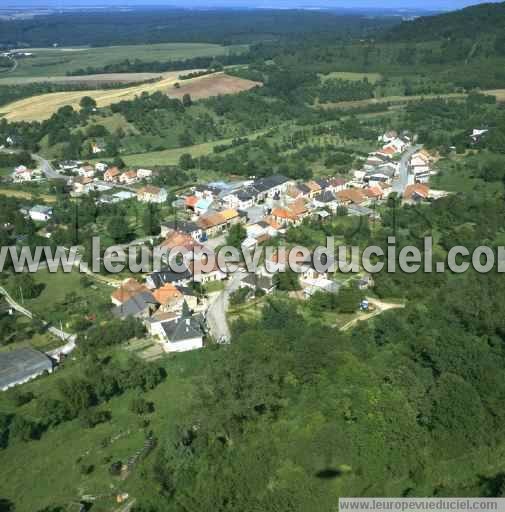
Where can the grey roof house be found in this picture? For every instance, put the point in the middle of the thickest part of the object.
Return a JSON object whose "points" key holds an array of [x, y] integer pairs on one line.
{"points": [[140, 305], [183, 334], [162, 277], [22, 365]]}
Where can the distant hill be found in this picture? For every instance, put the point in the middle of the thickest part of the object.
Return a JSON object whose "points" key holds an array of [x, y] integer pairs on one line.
{"points": [[481, 21]]}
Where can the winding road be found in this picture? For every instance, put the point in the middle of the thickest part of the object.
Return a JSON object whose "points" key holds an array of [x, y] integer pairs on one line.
{"points": [[48, 169]]}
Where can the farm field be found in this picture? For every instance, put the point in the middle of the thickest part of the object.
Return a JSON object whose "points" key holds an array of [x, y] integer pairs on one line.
{"points": [[59, 61], [24, 194], [43, 106], [389, 99], [91, 80], [498, 93]]}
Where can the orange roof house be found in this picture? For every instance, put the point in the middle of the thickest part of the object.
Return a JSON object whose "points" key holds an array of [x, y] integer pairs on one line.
{"points": [[179, 239], [416, 192], [111, 174], [273, 223], [373, 192], [283, 214], [128, 177], [299, 207], [128, 289], [229, 214], [169, 297], [191, 202], [387, 150], [314, 188], [351, 195]]}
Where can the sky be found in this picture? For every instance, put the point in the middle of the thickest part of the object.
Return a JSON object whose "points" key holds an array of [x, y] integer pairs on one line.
{"points": [[393, 4]]}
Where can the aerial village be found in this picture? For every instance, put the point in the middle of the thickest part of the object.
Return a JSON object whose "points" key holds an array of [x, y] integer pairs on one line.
{"points": [[169, 304]]}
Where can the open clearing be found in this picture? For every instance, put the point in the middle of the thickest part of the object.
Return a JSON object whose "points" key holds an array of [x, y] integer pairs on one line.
{"points": [[59, 61], [43, 106]]}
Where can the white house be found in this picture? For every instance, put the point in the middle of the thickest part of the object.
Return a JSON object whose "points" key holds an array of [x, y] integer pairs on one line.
{"points": [[86, 171], [22, 174], [271, 186], [420, 167], [96, 148], [40, 213], [397, 144], [182, 334], [239, 200], [388, 136], [82, 185], [151, 194], [128, 178], [144, 174], [100, 167]]}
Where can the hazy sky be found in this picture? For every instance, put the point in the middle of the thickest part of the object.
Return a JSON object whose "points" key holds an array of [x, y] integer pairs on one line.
{"points": [[395, 4]]}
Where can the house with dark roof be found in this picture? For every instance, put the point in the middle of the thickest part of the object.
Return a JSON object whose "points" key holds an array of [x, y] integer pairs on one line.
{"points": [[141, 305], [271, 186], [22, 365], [182, 334], [258, 281], [162, 277], [183, 226], [326, 199]]}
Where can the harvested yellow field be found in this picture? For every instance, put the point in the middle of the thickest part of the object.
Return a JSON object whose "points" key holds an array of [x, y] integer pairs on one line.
{"points": [[499, 93], [38, 108]]}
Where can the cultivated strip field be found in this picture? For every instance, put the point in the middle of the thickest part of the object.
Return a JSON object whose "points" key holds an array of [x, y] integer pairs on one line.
{"points": [[43, 106], [60, 61], [347, 75], [92, 80]]}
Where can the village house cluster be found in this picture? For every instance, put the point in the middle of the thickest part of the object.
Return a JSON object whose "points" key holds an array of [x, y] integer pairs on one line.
{"points": [[166, 301]]}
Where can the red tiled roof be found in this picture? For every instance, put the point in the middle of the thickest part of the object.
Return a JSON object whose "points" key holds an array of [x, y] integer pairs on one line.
{"points": [[128, 289], [418, 189]]}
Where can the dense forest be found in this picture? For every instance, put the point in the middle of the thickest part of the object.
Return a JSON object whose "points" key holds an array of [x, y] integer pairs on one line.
{"points": [[172, 25], [479, 20]]}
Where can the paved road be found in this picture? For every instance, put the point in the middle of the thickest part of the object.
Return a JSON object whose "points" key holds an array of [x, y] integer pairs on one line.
{"points": [[400, 183], [216, 313], [48, 169]]}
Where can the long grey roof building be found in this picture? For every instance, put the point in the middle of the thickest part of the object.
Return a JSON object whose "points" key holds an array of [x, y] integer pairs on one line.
{"points": [[22, 365]]}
